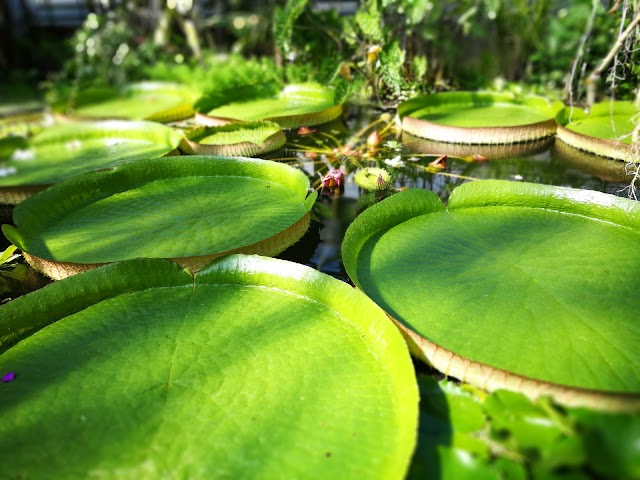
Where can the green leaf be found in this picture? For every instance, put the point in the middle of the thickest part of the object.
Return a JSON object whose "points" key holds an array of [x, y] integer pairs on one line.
{"points": [[455, 404], [157, 101], [525, 425], [7, 255], [414, 10], [235, 139], [612, 442], [369, 20], [460, 464], [479, 117], [564, 452], [255, 368], [9, 144], [605, 131], [283, 23], [392, 65], [420, 67], [215, 98], [607, 120], [295, 106], [372, 178], [68, 149], [526, 275], [509, 469], [450, 418], [174, 207], [15, 130]]}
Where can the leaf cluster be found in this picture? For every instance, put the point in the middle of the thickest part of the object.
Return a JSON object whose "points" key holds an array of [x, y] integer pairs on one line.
{"points": [[466, 433]]}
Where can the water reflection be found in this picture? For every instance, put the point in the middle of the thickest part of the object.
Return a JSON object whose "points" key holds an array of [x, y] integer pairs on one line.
{"points": [[606, 169]]}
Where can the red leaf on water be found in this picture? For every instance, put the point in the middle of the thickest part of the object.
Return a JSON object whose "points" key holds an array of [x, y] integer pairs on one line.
{"points": [[479, 158]]}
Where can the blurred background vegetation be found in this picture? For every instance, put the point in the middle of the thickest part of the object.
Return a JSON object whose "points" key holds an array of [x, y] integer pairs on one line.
{"points": [[379, 50]]}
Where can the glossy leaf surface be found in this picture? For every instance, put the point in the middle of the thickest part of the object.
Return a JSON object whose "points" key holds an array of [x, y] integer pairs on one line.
{"points": [[169, 207], [606, 120], [529, 277], [255, 368], [295, 106], [65, 150], [478, 109], [372, 178], [157, 101]]}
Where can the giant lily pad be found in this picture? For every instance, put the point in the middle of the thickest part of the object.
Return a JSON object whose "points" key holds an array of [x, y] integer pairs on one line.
{"points": [[235, 139], [154, 101], [254, 368], [605, 131], [191, 209], [65, 150], [19, 100], [295, 106], [415, 144], [479, 117], [513, 285]]}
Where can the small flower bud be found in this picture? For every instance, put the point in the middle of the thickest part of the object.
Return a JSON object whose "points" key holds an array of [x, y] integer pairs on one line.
{"points": [[373, 140]]}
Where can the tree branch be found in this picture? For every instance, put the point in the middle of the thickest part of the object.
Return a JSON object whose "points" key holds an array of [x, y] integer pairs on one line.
{"points": [[593, 78]]}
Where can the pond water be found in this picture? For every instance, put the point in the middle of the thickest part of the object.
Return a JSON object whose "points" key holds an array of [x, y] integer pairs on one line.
{"points": [[342, 144]]}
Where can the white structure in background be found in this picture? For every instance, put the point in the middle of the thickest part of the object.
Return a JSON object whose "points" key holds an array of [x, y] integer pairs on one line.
{"points": [[52, 13], [71, 13]]}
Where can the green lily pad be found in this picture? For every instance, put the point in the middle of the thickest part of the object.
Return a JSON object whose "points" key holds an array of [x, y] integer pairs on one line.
{"points": [[372, 178], [21, 102], [605, 131], [65, 150], [235, 139], [25, 125], [16, 130], [295, 106], [154, 101], [191, 209], [468, 152], [254, 368], [479, 117], [513, 285]]}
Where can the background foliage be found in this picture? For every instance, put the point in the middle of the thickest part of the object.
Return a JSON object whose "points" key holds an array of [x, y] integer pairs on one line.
{"points": [[384, 50]]}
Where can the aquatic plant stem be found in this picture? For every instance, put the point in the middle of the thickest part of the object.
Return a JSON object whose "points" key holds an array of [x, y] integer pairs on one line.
{"points": [[368, 127], [446, 174]]}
